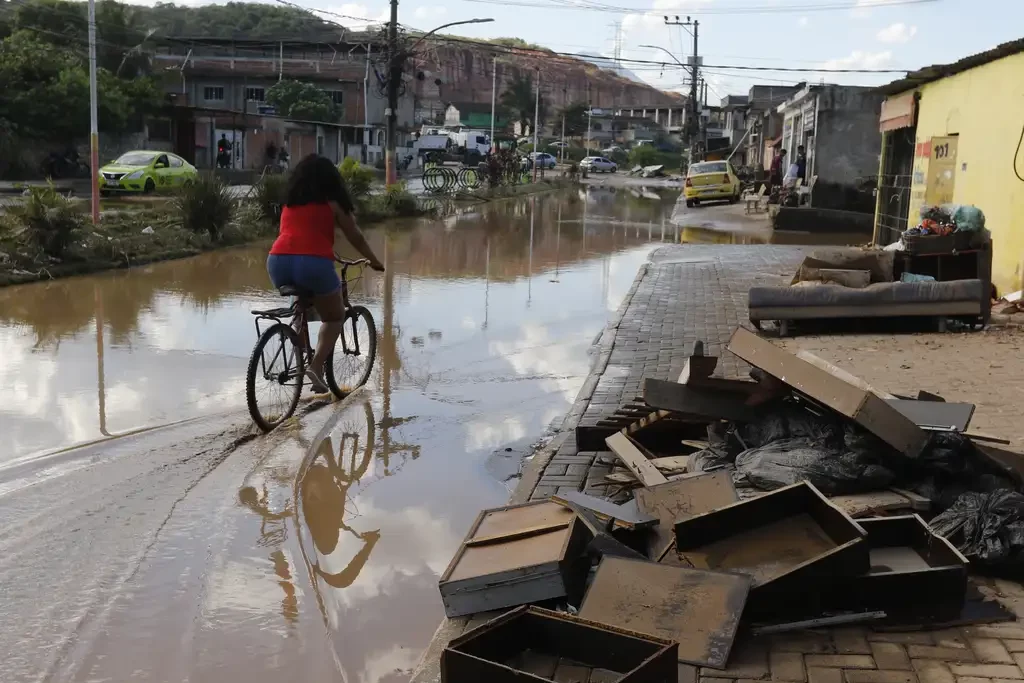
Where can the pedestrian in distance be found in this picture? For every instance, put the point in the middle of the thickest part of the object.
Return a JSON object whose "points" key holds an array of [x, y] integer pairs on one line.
{"points": [[801, 164]]}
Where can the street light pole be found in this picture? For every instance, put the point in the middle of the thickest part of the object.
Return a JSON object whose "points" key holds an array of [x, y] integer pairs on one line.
{"points": [[494, 92], [94, 135], [396, 62], [536, 126]]}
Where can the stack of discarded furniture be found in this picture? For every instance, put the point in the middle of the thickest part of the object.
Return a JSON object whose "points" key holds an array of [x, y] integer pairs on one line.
{"points": [[620, 591], [872, 283]]}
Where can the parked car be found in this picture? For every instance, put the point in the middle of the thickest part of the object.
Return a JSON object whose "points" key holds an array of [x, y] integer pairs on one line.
{"points": [[558, 144], [594, 164], [543, 159], [611, 150], [710, 180], [145, 171]]}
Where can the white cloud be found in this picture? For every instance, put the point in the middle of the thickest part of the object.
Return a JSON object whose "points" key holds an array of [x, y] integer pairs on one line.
{"points": [[803, 22], [430, 11], [859, 59], [897, 33]]}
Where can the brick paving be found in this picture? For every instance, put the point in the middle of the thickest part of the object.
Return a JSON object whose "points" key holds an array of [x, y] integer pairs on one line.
{"points": [[689, 293], [698, 292]]}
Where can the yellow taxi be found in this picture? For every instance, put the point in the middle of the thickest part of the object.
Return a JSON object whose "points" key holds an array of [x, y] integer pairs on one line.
{"points": [[710, 180]]}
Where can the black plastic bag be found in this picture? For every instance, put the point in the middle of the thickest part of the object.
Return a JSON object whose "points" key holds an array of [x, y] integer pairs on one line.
{"points": [[718, 454], [788, 461], [988, 528]]}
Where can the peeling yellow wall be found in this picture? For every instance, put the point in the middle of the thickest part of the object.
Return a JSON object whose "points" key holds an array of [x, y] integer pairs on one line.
{"points": [[984, 107]]}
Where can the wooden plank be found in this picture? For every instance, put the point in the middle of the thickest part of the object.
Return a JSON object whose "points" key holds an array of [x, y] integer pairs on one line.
{"points": [[633, 458], [647, 421], [698, 367], [695, 443], [868, 504], [955, 415], [684, 498], [918, 503], [839, 373], [711, 404], [699, 609], [518, 533], [606, 511], [672, 463]]}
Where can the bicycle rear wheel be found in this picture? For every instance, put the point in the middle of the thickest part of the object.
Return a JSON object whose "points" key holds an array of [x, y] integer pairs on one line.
{"points": [[273, 381], [352, 357]]}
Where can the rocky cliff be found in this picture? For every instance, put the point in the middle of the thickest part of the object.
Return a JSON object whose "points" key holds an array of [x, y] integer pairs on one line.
{"points": [[464, 70]]}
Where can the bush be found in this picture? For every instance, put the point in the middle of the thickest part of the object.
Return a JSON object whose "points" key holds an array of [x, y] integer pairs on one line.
{"points": [[400, 201], [358, 178], [206, 206], [269, 195], [49, 220]]}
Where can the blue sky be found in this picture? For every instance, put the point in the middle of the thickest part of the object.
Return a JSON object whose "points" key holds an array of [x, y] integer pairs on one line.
{"points": [[790, 33]]}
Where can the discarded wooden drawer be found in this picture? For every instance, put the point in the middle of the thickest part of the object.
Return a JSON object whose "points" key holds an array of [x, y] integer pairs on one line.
{"points": [[526, 644], [516, 555], [855, 402], [699, 609], [914, 572], [682, 499], [789, 541]]}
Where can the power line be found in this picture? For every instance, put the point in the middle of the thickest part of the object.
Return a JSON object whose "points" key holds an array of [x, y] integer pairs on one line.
{"points": [[711, 10]]}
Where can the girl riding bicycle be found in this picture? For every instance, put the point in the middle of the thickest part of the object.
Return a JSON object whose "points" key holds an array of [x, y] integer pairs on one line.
{"points": [[317, 206]]}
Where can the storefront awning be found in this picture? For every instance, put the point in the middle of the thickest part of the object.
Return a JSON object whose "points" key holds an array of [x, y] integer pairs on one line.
{"points": [[897, 112]]}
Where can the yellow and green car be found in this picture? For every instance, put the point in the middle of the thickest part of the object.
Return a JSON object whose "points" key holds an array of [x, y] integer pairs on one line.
{"points": [[144, 171]]}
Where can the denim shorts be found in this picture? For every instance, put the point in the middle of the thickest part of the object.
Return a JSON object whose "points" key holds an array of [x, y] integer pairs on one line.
{"points": [[314, 274]]}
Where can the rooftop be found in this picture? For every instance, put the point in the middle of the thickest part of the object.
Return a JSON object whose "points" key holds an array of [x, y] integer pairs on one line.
{"points": [[937, 72]]}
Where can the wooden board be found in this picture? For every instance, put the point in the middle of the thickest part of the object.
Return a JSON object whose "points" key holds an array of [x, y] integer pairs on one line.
{"points": [[711, 404], [955, 415], [869, 504], [606, 511], [684, 498], [634, 459], [699, 609]]}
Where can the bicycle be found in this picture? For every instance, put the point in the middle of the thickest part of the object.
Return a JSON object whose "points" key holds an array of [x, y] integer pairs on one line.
{"points": [[290, 348]]}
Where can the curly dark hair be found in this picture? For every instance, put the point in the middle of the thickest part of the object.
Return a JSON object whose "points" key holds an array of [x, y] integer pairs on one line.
{"points": [[314, 180]]}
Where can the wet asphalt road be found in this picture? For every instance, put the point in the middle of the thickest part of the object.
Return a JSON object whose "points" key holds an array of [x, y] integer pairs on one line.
{"points": [[197, 550]]}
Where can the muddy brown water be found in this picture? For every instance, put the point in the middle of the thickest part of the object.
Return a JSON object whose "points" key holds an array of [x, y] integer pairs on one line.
{"points": [[149, 536]]}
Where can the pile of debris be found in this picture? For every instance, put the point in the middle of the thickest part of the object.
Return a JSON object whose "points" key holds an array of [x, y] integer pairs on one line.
{"points": [[794, 500]]}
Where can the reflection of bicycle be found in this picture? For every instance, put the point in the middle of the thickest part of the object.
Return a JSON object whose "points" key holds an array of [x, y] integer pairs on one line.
{"points": [[277, 366]]}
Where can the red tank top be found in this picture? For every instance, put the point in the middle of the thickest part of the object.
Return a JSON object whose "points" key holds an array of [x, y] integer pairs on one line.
{"points": [[306, 230]]}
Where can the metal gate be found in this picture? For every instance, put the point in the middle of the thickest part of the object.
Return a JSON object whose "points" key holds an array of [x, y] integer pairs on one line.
{"points": [[894, 184]]}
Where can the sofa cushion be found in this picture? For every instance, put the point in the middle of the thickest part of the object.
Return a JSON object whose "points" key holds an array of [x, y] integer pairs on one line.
{"points": [[878, 293]]}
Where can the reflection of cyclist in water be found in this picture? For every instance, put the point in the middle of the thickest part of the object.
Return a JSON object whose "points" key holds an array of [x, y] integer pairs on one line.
{"points": [[323, 490], [272, 530]]}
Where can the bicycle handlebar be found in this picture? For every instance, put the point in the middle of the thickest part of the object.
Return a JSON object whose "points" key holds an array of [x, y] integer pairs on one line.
{"points": [[358, 262]]}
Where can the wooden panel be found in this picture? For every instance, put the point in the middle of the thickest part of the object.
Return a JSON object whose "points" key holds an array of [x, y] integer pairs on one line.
{"points": [[711, 404], [699, 609], [684, 498], [634, 459], [623, 516], [505, 520], [494, 558], [955, 415]]}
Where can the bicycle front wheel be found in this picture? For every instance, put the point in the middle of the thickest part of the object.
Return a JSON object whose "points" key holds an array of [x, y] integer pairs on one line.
{"points": [[352, 357], [273, 381]]}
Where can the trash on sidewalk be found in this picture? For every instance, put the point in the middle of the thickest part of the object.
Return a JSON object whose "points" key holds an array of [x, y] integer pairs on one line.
{"points": [[629, 453], [712, 404], [516, 555], [682, 499], [986, 527], [530, 644], [700, 610], [621, 516], [790, 542], [860, 405]]}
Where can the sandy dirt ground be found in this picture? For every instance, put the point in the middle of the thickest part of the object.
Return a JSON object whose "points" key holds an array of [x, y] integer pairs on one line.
{"points": [[985, 368]]}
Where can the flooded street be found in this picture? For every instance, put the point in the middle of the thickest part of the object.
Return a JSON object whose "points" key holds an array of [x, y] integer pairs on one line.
{"points": [[190, 550]]}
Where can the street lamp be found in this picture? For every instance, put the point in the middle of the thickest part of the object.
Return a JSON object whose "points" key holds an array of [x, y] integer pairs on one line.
{"points": [[656, 47], [395, 76]]}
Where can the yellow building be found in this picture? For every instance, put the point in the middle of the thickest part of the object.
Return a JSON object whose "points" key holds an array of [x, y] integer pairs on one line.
{"points": [[952, 133]]}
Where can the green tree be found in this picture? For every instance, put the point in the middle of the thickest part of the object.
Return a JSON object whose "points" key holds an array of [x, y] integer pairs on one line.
{"points": [[575, 116], [46, 91], [520, 99], [299, 100]]}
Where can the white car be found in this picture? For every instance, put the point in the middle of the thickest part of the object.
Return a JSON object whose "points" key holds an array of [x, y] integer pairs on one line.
{"points": [[594, 164], [543, 159], [558, 144]]}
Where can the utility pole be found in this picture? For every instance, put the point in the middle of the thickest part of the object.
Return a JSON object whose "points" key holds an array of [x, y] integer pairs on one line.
{"points": [[394, 80], [494, 92], [590, 112], [94, 134], [536, 129], [694, 124]]}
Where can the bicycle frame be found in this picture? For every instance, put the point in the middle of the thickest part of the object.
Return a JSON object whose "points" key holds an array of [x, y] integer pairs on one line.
{"points": [[298, 312]]}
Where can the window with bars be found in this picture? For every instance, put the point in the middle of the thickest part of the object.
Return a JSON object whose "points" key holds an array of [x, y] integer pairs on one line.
{"points": [[253, 94], [336, 96], [213, 93]]}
